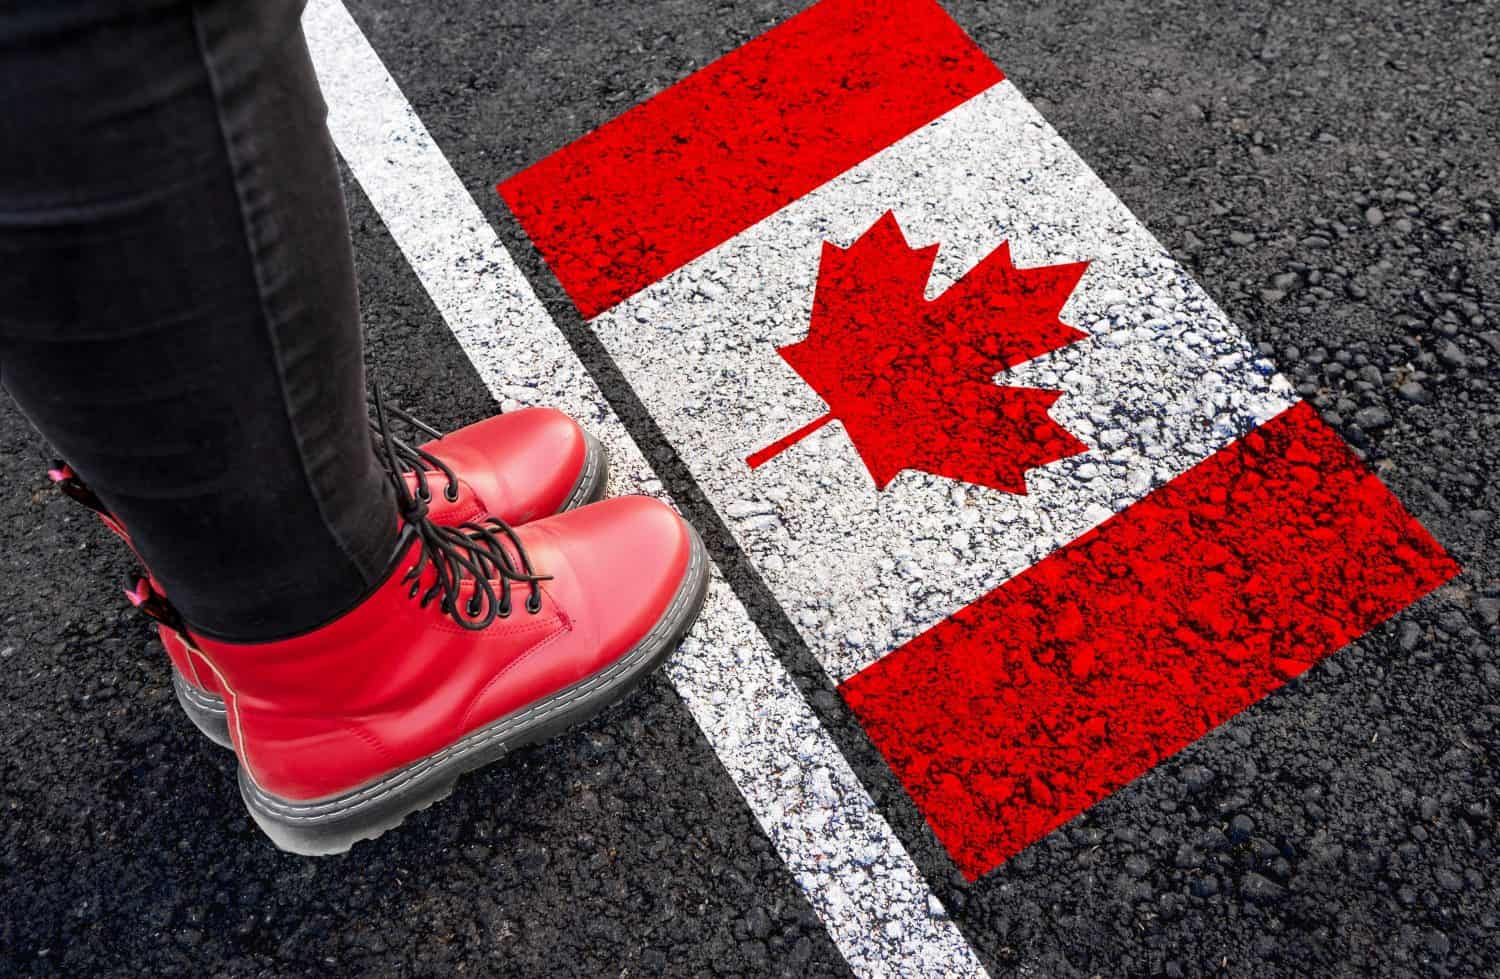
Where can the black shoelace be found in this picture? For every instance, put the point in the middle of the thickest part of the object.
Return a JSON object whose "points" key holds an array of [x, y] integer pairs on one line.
{"points": [[473, 551], [413, 458]]}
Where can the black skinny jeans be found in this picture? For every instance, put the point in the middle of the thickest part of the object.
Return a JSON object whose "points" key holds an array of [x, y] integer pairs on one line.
{"points": [[178, 314]]}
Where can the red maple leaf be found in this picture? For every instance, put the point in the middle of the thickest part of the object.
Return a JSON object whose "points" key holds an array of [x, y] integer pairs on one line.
{"points": [[912, 379]]}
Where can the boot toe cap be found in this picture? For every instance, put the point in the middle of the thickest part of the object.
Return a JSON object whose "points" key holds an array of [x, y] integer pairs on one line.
{"points": [[627, 558], [523, 464]]}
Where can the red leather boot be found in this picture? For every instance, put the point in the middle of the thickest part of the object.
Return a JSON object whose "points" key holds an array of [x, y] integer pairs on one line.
{"points": [[516, 467], [481, 639]]}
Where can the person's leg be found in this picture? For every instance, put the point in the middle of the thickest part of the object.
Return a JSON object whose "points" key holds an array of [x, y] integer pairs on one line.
{"points": [[177, 315], [177, 302]]}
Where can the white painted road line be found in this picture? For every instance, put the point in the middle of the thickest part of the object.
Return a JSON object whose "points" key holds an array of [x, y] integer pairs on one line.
{"points": [[856, 874]]}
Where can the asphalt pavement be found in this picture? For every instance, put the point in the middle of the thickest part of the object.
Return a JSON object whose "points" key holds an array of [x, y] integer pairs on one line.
{"points": [[1326, 172]]}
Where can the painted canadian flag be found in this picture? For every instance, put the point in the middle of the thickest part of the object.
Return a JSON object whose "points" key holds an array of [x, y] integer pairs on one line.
{"points": [[1031, 499]]}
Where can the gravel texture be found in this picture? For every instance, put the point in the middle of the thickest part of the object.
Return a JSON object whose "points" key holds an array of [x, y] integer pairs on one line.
{"points": [[1326, 173]]}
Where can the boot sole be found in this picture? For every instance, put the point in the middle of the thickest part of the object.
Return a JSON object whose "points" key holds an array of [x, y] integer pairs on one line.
{"points": [[592, 479], [334, 824], [207, 711]]}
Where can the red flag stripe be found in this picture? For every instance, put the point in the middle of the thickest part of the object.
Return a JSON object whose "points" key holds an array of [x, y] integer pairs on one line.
{"points": [[1131, 642], [648, 192]]}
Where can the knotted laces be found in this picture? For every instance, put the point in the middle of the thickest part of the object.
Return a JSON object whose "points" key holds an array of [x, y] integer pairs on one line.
{"points": [[473, 551]]}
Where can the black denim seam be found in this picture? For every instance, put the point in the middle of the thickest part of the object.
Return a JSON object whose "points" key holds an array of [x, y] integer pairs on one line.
{"points": [[370, 577]]}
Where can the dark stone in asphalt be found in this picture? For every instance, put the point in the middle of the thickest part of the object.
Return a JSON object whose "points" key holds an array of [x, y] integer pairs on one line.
{"points": [[758, 923], [1448, 879], [1197, 778], [1451, 354], [1260, 890], [1415, 393]]}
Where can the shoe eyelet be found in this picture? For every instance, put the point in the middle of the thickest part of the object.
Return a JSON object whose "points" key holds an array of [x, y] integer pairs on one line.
{"points": [[424, 496], [534, 604], [450, 493]]}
